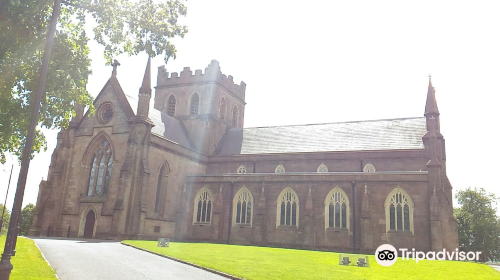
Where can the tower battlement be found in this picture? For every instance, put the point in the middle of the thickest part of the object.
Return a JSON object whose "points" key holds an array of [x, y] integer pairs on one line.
{"points": [[212, 74]]}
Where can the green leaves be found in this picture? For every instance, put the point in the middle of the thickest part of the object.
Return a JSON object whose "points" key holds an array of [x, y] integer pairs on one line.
{"points": [[123, 26], [478, 223], [26, 219]]}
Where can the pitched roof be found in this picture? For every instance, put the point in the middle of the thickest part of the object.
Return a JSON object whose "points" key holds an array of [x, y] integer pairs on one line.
{"points": [[164, 125], [343, 136]]}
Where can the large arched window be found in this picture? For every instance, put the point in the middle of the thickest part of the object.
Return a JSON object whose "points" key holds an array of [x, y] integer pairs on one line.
{"points": [[100, 172], [235, 116], [222, 108], [195, 104], [161, 186], [171, 105], [336, 209], [279, 169], [203, 206], [243, 207], [399, 211], [288, 208]]}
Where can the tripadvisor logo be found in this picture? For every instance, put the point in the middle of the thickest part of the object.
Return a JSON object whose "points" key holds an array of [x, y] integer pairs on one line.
{"points": [[386, 255]]}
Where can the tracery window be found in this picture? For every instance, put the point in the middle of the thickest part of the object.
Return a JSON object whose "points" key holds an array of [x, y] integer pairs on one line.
{"points": [[203, 206], [222, 108], [242, 207], [171, 105], [337, 209], [100, 172], [369, 168], [322, 168], [235, 116], [288, 208], [279, 169], [195, 104], [161, 186], [241, 170], [399, 211]]}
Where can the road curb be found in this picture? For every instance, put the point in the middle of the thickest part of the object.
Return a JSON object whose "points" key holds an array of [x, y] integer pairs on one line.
{"points": [[185, 262], [47, 261]]}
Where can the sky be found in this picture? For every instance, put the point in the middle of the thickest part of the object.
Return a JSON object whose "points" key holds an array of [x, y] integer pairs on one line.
{"points": [[310, 62]]}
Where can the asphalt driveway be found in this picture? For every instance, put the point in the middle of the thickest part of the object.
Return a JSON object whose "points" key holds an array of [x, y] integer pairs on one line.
{"points": [[97, 259]]}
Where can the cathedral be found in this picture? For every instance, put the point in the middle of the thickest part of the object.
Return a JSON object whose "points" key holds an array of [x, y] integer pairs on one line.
{"points": [[184, 168]]}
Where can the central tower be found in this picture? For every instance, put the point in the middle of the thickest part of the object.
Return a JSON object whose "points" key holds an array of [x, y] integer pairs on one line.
{"points": [[206, 103]]}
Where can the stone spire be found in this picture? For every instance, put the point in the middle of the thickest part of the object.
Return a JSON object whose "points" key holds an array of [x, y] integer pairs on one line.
{"points": [[146, 81], [431, 105], [145, 92]]}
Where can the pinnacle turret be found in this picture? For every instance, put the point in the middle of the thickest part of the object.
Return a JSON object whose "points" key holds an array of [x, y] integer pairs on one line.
{"points": [[146, 81], [431, 105]]}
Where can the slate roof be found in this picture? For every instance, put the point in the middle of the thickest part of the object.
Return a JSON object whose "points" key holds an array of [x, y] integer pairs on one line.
{"points": [[388, 134], [176, 131]]}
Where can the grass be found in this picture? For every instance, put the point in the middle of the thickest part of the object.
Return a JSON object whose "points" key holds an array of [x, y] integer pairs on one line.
{"points": [[28, 262], [252, 262]]}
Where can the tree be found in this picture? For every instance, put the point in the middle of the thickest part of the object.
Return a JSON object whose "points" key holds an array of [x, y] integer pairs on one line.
{"points": [[478, 223], [122, 26], [6, 220], [26, 219]]}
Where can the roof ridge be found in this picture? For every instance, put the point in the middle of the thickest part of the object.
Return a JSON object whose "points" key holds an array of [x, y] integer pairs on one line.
{"points": [[290, 125]]}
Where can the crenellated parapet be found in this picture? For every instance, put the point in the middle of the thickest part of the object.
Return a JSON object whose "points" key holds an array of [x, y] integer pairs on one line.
{"points": [[212, 74]]}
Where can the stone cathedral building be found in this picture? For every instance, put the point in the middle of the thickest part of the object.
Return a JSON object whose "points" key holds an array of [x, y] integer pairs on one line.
{"points": [[187, 169]]}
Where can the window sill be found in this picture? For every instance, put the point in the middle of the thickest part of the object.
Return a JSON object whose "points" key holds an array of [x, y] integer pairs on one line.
{"points": [[287, 227], [337, 229], [242, 225], [405, 232], [201, 224], [93, 198]]}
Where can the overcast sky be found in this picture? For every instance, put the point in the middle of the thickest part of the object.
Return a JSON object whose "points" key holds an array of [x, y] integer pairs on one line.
{"points": [[331, 61]]}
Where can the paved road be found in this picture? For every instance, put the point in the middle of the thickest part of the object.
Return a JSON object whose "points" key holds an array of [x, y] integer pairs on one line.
{"points": [[495, 266], [94, 259]]}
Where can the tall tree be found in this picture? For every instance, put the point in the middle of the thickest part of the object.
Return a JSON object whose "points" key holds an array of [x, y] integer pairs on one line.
{"points": [[5, 221], [26, 219], [478, 223], [121, 26]]}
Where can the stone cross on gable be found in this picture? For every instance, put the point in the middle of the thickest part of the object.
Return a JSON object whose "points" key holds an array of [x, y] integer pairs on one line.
{"points": [[115, 65]]}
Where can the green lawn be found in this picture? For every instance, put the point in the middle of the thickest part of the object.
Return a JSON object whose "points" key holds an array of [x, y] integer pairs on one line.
{"points": [[28, 262], [273, 263]]}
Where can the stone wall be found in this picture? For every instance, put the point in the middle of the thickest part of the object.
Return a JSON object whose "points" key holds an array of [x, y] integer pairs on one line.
{"points": [[311, 231]]}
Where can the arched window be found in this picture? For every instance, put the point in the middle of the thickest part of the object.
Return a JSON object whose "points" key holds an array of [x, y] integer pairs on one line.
{"points": [[100, 172], [235, 116], [279, 169], [322, 168], [171, 105], [369, 168], [161, 185], [195, 104], [241, 170], [337, 209], [203, 206], [242, 207], [222, 108], [288, 208], [399, 211]]}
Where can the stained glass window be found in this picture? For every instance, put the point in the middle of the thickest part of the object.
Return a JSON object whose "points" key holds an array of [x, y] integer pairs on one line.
{"points": [[100, 172], [203, 206], [399, 211], [288, 206], [336, 208]]}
